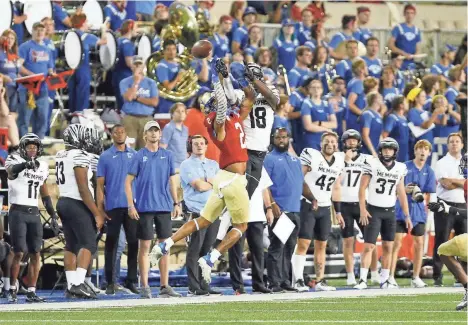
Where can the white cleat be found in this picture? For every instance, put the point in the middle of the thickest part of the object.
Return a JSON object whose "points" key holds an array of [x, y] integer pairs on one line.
{"points": [[388, 285], [300, 286], [206, 269], [351, 282], [323, 286], [361, 285], [418, 283], [463, 303]]}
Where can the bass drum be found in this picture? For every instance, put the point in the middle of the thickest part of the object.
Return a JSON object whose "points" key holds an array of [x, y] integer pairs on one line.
{"points": [[104, 56], [6, 17], [36, 10], [94, 13], [70, 49], [143, 46]]}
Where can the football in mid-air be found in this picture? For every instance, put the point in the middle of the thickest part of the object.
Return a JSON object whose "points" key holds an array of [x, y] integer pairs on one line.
{"points": [[202, 49]]}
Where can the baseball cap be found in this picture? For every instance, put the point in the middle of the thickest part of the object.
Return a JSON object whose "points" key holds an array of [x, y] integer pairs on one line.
{"points": [[137, 59], [248, 11], [150, 124], [363, 9], [287, 22], [38, 25], [450, 48]]}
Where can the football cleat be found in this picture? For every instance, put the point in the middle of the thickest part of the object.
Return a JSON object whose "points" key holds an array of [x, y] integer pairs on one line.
{"points": [[323, 286], [418, 283], [388, 285], [351, 282], [32, 297], [300, 286], [392, 281], [206, 265], [361, 285], [463, 303]]}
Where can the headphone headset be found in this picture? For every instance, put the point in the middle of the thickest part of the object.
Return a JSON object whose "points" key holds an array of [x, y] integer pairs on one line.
{"points": [[189, 141]]}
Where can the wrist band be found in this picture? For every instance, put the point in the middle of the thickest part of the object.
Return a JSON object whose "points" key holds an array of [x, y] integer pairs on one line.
{"points": [[268, 208]]}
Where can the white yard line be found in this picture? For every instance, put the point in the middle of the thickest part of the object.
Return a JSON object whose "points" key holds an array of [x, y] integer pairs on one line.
{"points": [[252, 321], [223, 299]]}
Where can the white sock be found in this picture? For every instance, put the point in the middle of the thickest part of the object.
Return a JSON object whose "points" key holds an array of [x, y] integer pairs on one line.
{"points": [[12, 287], [298, 262], [374, 275], [70, 275], [351, 276], [384, 275], [80, 275], [363, 274], [169, 243], [88, 280], [6, 284], [32, 289], [214, 255]]}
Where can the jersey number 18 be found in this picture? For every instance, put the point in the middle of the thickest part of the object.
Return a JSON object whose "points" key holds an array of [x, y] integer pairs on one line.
{"points": [[258, 118]]}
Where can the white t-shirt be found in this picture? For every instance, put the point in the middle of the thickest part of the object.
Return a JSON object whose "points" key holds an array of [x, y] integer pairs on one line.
{"points": [[384, 182], [24, 190], [351, 178], [323, 174], [447, 167], [65, 163], [258, 124]]}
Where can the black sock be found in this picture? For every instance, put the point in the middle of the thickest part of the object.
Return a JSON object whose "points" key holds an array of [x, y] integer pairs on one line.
{"points": [[464, 286]]}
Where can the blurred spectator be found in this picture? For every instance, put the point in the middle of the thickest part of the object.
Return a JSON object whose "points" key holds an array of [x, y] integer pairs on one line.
{"points": [[175, 134], [406, 37], [317, 116], [10, 67], [343, 68], [348, 25], [278, 11], [370, 84], [317, 34], [263, 57], [7, 120], [195, 123], [303, 28], [60, 16], [461, 53], [318, 11], [254, 42], [419, 117], [158, 26], [203, 6], [296, 100], [116, 13], [241, 36], [203, 71], [396, 64], [374, 64], [126, 51], [445, 63], [355, 92], [18, 20], [396, 126], [169, 73], [220, 41], [286, 44], [362, 33], [320, 66], [431, 85], [145, 9], [281, 114], [140, 95], [79, 83], [301, 71], [338, 102], [37, 59], [387, 89], [371, 124], [130, 8], [236, 12], [161, 13]]}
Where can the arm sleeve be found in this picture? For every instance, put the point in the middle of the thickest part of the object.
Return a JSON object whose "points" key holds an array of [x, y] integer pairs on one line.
{"points": [[268, 165], [238, 36], [123, 86], [430, 186], [167, 133], [294, 79], [440, 171], [60, 14], [81, 159], [107, 12], [128, 49], [23, 51], [134, 168], [162, 72], [153, 89], [101, 167], [172, 169], [395, 32], [389, 124], [306, 157], [306, 108], [366, 120], [450, 95], [414, 117], [340, 70], [336, 39], [186, 174]]}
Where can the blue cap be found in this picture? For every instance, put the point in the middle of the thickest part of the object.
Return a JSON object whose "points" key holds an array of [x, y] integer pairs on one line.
{"points": [[287, 22], [248, 11], [450, 48]]}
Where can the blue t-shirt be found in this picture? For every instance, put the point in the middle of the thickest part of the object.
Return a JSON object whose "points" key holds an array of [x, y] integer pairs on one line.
{"points": [[297, 76], [131, 9], [59, 14], [318, 113], [341, 113], [166, 71], [296, 99], [156, 44], [338, 38], [416, 117], [9, 68], [250, 50], [362, 34], [37, 59], [145, 6], [192, 169], [374, 66], [452, 124], [116, 16], [88, 42], [322, 76], [312, 44], [241, 36], [220, 45], [18, 28], [286, 52], [125, 49], [285, 172], [440, 69], [113, 165], [397, 127], [406, 39], [343, 69], [146, 89], [355, 86], [371, 119], [280, 122], [176, 140], [425, 179], [152, 171], [302, 33], [388, 96]]}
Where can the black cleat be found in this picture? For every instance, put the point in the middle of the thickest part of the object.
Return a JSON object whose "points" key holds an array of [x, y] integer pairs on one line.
{"points": [[132, 287], [438, 282], [214, 292], [197, 292], [278, 289], [69, 295], [82, 291], [110, 290], [288, 288], [11, 296], [260, 289], [32, 297]]}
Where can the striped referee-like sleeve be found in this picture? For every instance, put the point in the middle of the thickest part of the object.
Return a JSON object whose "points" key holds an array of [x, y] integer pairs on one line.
{"points": [[275, 91], [13, 160], [81, 159], [306, 157], [221, 103], [94, 162]]}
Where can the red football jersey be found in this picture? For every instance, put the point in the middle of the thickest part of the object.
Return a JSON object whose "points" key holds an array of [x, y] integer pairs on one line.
{"points": [[233, 148]]}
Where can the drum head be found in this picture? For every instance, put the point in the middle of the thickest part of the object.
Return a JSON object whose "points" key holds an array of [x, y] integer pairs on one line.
{"points": [[36, 10], [94, 14], [144, 47], [108, 52], [6, 16], [73, 49]]}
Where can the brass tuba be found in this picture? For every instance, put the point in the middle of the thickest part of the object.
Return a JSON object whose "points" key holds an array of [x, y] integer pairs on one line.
{"points": [[204, 26], [183, 28]]}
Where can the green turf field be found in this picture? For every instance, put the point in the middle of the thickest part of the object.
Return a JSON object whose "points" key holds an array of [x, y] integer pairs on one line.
{"points": [[411, 309]]}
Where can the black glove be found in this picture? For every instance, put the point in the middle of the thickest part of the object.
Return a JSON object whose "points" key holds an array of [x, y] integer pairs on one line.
{"points": [[54, 225], [221, 68], [248, 74], [31, 164]]}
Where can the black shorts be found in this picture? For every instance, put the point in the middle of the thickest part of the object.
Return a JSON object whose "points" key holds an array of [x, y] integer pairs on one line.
{"points": [[162, 222], [79, 225], [350, 212], [418, 229], [314, 224], [383, 221], [254, 170], [25, 228]]}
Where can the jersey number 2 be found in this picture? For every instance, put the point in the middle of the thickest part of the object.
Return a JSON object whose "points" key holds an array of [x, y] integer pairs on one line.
{"points": [[321, 182], [32, 193], [59, 173], [242, 135], [259, 119]]}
